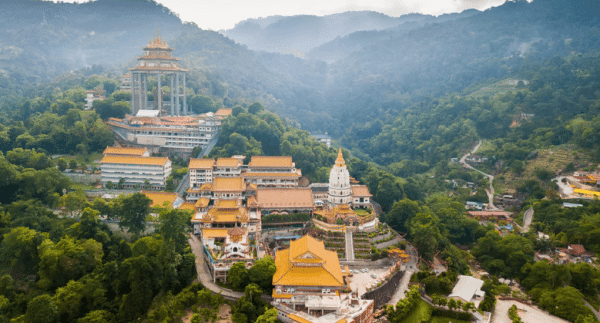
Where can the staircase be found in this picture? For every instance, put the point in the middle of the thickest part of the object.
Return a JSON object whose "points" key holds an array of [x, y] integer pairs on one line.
{"points": [[349, 246]]}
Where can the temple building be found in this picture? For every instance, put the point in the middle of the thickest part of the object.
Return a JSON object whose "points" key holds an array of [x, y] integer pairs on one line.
{"points": [[171, 135], [309, 286], [340, 191], [157, 62]]}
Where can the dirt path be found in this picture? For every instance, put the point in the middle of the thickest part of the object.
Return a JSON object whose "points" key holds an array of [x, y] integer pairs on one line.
{"points": [[490, 191]]}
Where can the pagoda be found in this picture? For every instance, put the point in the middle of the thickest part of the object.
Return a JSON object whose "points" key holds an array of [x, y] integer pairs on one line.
{"points": [[340, 191], [156, 62]]}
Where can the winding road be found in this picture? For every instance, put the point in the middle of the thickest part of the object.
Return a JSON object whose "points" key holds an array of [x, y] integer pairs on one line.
{"points": [[490, 191]]}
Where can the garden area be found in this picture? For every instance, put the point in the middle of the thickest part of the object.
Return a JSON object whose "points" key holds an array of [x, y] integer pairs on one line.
{"points": [[413, 309], [334, 241], [362, 246]]}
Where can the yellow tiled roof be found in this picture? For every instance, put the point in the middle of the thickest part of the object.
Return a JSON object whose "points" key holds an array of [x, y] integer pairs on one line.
{"points": [[202, 202], [223, 215], [298, 318], [187, 206], [342, 321], [201, 163], [206, 187], [275, 295], [271, 161], [227, 204], [360, 190], [210, 233], [227, 162], [252, 174], [156, 161], [131, 151], [224, 184], [327, 272], [158, 198]]}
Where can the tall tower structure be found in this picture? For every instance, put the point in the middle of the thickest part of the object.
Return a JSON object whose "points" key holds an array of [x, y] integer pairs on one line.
{"points": [[156, 62], [339, 182]]}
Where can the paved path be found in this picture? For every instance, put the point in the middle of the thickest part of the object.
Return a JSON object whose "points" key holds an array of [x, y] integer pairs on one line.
{"points": [[593, 309], [490, 191], [204, 275], [349, 246], [402, 287], [527, 218], [528, 314]]}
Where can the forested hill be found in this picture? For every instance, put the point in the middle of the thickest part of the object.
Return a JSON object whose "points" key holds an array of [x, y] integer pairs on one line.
{"points": [[299, 34]]}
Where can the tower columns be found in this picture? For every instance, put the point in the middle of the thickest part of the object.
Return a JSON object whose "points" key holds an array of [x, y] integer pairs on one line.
{"points": [[185, 112], [171, 93], [159, 92], [133, 90], [177, 110]]}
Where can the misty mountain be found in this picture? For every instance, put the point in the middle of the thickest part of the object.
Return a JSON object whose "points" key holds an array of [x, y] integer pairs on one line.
{"points": [[299, 34]]}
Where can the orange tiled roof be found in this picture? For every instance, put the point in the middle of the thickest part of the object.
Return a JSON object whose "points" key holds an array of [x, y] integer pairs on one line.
{"points": [[223, 112], [224, 184], [156, 161], [324, 270], [201, 163], [298, 319], [158, 198], [271, 161], [225, 215], [360, 190], [206, 187], [202, 202], [210, 233], [228, 162], [595, 177], [284, 197], [128, 151], [576, 249]]}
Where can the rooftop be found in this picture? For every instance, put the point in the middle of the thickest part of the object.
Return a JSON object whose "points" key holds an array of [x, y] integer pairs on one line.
{"points": [[284, 197], [221, 184], [210, 233], [155, 161], [223, 112], [159, 198], [228, 162], [201, 163], [127, 151], [466, 287], [271, 161], [307, 263], [360, 190]]}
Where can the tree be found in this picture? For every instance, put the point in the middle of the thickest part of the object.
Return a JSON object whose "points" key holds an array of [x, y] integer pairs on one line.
{"points": [[121, 183], [74, 202], [133, 211], [20, 245], [72, 164], [262, 273], [97, 316], [62, 164], [255, 108], [238, 276], [174, 226], [451, 303], [443, 301], [201, 104], [270, 316], [41, 310], [109, 185]]}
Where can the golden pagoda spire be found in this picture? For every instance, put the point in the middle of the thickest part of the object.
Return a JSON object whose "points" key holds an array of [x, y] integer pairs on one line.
{"points": [[340, 159]]}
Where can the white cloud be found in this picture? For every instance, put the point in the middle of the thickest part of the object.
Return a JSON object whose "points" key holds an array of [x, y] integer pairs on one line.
{"points": [[224, 14]]}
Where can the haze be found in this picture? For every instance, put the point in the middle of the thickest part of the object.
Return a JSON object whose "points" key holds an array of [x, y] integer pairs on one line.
{"points": [[224, 14]]}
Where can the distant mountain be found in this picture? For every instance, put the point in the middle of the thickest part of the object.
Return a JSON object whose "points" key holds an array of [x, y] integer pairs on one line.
{"points": [[299, 34]]}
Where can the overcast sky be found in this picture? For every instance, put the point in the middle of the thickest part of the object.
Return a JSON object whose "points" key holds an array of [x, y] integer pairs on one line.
{"points": [[224, 14]]}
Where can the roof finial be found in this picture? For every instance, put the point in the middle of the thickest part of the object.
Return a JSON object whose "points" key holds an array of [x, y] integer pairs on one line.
{"points": [[340, 159]]}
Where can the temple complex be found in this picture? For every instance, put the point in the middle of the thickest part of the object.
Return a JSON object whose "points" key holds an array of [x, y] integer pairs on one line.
{"points": [[310, 286], [157, 62]]}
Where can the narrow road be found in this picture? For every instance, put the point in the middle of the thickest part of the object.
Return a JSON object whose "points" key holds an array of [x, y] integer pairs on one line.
{"points": [[204, 275], [410, 268], [349, 246], [527, 218], [490, 191], [593, 309]]}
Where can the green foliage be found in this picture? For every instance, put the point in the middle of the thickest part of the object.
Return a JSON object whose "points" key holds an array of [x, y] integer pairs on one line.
{"points": [[133, 211], [405, 306], [512, 313], [20, 245], [237, 276], [262, 273], [174, 225], [270, 316], [503, 256], [250, 306], [108, 108]]}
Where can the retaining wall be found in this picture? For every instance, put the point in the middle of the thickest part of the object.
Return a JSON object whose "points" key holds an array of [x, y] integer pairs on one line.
{"points": [[382, 294]]}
